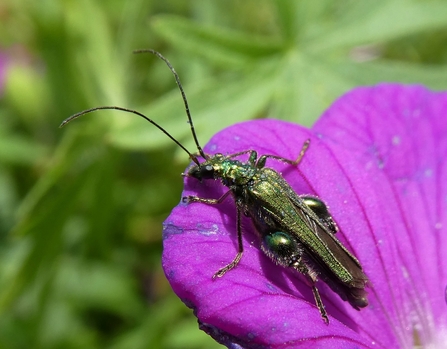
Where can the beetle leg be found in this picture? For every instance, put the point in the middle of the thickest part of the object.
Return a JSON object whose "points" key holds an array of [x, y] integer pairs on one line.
{"points": [[311, 277], [221, 272], [189, 199], [262, 160]]}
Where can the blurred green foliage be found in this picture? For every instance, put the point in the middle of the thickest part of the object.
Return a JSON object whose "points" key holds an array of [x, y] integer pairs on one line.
{"points": [[81, 209]]}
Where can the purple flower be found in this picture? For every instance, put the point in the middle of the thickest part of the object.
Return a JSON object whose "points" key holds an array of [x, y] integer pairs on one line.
{"points": [[378, 159]]}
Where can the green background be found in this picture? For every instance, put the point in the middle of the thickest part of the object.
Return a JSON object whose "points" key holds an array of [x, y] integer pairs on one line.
{"points": [[81, 208]]}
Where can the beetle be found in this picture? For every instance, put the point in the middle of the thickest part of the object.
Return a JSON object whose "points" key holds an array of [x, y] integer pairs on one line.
{"points": [[296, 231]]}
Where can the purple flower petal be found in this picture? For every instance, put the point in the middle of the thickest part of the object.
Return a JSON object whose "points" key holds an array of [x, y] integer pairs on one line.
{"points": [[377, 159]]}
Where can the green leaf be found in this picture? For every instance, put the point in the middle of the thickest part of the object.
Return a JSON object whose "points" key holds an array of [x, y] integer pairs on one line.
{"points": [[380, 21], [297, 17], [18, 150], [305, 88], [221, 46], [369, 73], [99, 285]]}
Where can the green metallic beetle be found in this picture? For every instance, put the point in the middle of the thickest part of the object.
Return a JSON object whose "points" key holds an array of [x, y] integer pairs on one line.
{"points": [[297, 232]]}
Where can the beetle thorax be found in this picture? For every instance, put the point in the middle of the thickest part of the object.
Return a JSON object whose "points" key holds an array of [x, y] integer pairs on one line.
{"points": [[234, 172]]}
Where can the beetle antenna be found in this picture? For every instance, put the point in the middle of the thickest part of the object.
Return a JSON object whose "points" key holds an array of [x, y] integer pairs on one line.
{"points": [[77, 115], [185, 101]]}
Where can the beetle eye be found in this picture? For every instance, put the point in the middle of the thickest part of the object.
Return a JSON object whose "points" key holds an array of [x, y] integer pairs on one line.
{"points": [[207, 172], [201, 172]]}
